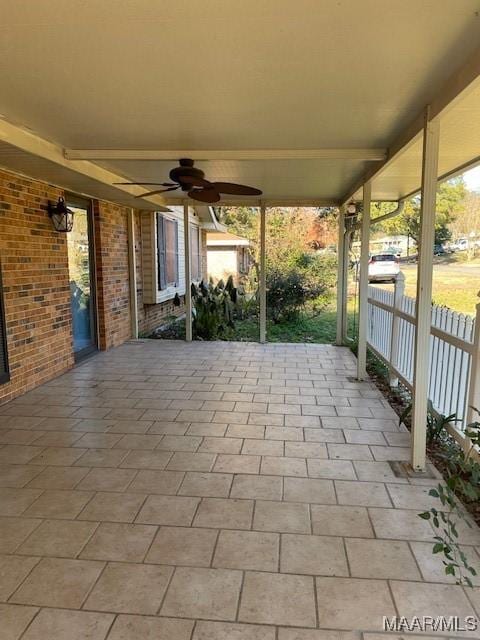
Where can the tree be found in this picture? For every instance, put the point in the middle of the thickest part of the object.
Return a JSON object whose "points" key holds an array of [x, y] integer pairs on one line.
{"points": [[450, 205]]}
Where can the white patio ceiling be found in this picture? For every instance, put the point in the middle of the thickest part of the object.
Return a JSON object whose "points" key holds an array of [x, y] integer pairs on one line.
{"points": [[270, 86]]}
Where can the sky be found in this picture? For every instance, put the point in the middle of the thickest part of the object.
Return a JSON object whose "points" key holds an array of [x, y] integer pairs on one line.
{"points": [[472, 179]]}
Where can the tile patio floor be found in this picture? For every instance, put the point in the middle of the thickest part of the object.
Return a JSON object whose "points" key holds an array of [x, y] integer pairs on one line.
{"points": [[212, 491]]}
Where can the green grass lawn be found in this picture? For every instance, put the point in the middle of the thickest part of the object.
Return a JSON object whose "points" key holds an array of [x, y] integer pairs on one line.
{"points": [[320, 328]]}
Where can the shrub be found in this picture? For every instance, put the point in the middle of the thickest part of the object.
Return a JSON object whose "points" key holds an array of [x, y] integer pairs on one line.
{"points": [[213, 308]]}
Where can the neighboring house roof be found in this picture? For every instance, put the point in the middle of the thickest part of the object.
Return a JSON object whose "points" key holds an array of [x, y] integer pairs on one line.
{"points": [[226, 240]]}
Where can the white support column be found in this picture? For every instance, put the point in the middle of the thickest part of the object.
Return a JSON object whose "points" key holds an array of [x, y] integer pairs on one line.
{"points": [[132, 272], [188, 281], [474, 388], [423, 313], [340, 274], [346, 260], [398, 293], [363, 288], [263, 283]]}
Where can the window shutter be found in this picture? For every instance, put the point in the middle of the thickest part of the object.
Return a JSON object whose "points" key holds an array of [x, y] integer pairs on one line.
{"points": [[176, 253], [4, 372], [161, 253]]}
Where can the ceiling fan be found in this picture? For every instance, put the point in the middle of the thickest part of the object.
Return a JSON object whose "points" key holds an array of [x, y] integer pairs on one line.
{"points": [[187, 178]]}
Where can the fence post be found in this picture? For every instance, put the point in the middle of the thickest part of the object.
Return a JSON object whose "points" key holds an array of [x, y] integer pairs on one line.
{"points": [[188, 279], [340, 274], [363, 288], [474, 385], [398, 293]]}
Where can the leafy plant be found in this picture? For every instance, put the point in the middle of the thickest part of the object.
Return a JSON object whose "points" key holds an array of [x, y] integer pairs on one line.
{"points": [[463, 480], [213, 308], [436, 423], [446, 540]]}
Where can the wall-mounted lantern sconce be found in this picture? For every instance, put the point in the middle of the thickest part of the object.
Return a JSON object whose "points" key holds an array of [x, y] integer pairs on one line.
{"points": [[351, 208], [61, 216]]}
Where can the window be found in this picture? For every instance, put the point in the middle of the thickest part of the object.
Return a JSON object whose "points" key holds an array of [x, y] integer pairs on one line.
{"points": [[195, 253], [167, 252], [4, 372]]}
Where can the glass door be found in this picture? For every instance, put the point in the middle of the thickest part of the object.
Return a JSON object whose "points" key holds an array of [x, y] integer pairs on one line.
{"points": [[81, 276]]}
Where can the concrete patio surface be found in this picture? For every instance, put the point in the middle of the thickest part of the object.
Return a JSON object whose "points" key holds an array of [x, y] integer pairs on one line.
{"points": [[213, 491]]}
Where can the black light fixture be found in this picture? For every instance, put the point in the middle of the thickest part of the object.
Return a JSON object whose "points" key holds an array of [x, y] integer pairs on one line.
{"points": [[61, 216]]}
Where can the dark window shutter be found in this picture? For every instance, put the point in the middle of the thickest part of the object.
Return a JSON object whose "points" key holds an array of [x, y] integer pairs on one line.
{"points": [[4, 372], [176, 253], [161, 253]]}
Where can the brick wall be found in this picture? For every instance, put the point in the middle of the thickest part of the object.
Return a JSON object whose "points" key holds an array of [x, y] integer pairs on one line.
{"points": [[35, 284], [111, 256]]}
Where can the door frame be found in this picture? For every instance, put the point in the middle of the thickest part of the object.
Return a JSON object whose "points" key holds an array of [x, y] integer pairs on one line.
{"points": [[5, 376], [85, 203]]}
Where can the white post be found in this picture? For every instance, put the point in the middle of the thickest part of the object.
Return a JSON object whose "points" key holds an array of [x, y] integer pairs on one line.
{"points": [[398, 293], [340, 274], [474, 385], [132, 272], [423, 312], [346, 259], [363, 288], [263, 283], [188, 279]]}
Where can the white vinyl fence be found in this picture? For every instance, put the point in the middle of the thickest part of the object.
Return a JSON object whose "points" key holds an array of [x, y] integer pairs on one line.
{"points": [[391, 336]]}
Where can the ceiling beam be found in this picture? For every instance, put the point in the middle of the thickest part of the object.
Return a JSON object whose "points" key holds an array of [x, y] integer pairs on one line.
{"points": [[369, 155], [464, 80], [37, 146], [274, 202]]}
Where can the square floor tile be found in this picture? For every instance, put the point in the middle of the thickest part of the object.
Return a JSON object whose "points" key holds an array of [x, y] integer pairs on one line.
{"points": [[352, 603], [215, 485], [17, 475], [14, 619], [257, 487], [341, 521], [283, 466], [287, 517], [203, 593], [289, 434], [58, 478], [58, 538], [267, 598], [221, 445], [313, 555], [247, 550], [113, 507], [374, 471], [332, 469], [183, 546], [259, 447], [224, 513], [119, 541], [432, 565], [61, 583], [59, 504], [130, 588], [62, 456], [13, 531], [131, 627], [13, 502], [146, 459], [101, 458], [232, 631], [107, 480], [155, 481], [184, 461], [411, 496], [309, 490], [365, 494], [13, 569], [390, 559], [173, 510], [180, 443], [69, 625], [305, 450], [400, 524], [238, 463], [414, 598]]}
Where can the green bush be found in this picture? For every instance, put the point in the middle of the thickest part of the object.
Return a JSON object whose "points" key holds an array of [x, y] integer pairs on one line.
{"points": [[308, 277]]}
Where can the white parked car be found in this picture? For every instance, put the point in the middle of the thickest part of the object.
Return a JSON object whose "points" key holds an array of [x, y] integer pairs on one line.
{"points": [[383, 267]]}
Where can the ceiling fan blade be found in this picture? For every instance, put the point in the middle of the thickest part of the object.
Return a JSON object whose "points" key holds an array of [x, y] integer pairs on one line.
{"points": [[204, 195], [235, 189], [195, 181], [141, 184], [152, 193]]}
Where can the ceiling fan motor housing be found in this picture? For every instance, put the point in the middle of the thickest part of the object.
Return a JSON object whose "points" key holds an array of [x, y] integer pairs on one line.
{"points": [[186, 169]]}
